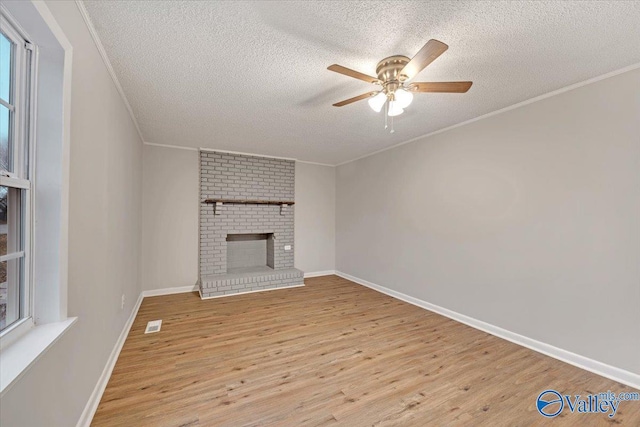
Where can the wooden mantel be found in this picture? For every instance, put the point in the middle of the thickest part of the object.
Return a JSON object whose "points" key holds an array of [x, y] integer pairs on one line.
{"points": [[250, 202]]}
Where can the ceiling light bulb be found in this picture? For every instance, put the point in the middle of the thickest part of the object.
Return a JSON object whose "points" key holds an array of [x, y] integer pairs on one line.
{"points": [[403, 97], [395, 109], [377, 102]]}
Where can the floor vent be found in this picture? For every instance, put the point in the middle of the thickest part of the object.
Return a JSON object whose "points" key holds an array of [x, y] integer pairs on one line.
{"points": [[153, 326]]}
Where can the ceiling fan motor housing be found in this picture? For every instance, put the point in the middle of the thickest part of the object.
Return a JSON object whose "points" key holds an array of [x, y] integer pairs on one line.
{"points": [[388, 71]]}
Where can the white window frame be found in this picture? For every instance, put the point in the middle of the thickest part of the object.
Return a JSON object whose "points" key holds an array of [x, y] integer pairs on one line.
{"points": [[23, 159], [30, 338]]}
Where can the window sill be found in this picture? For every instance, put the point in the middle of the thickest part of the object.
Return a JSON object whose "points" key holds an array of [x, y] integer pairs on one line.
{"points": [[18, 356]]}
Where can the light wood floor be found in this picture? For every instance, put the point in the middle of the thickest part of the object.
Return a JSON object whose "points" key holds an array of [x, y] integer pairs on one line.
{"points": [[330, 353]]}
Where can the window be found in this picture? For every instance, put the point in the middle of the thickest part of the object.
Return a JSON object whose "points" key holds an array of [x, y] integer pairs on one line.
{"points": [[15, 176], [35, 78]]}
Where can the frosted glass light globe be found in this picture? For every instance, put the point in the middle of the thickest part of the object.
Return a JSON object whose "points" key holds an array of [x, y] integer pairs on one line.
{"points": [[403, 98], [394, 109], [377, 102]]}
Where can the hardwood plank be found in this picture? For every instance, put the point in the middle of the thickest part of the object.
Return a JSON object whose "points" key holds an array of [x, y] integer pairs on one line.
{"points": [[330, 353]]}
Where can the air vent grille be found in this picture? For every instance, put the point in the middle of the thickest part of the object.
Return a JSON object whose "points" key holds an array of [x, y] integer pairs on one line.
{"points": [[153, 326]]}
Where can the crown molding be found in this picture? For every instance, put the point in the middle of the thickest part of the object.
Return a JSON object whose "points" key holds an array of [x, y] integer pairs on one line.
{"points": [[107, 63], [316, 163], [211, 150], [503, 110], [177, 147]]}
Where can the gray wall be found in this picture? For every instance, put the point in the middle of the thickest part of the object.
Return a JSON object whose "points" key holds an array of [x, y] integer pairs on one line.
{"points": [[104, 241], [171, 185], [170, 218], [528, 220], [315, 217]]}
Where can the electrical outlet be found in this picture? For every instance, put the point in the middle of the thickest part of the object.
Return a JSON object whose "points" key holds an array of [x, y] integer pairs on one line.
{"points": [[287, 247], [122, 303]]}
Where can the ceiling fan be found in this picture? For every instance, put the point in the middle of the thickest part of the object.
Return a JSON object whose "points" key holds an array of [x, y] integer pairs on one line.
{"points": [[394, 74]]}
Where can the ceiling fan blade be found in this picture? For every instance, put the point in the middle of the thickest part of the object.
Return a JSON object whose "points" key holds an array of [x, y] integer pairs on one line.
{"points": [[429, 52], [442, 87], [353, 73], [355, 99]]}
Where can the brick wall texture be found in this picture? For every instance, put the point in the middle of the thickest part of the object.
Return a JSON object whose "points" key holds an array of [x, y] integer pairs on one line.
{"points": [[235, 176]]}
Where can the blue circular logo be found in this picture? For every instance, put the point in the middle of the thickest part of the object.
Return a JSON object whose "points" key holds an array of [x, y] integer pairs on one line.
{"points": [[549, 403]]}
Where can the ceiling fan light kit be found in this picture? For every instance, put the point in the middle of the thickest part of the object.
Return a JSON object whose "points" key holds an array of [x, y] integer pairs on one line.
{"points": [[403, 97], [377, 101], [394, 74], [394, 109]]}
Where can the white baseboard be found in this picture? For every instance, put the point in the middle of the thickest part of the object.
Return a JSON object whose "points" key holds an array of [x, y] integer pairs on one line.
{"points": [[94, 400], [599, 368], [169, 291], [620, 375], [250, 292], [319, 273]]}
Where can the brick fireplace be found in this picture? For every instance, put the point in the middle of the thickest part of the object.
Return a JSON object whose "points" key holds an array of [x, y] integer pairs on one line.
{"points": [[246, 224]]}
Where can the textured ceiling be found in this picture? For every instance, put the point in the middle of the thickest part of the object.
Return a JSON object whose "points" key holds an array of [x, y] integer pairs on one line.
{"points": [[251, 76]]}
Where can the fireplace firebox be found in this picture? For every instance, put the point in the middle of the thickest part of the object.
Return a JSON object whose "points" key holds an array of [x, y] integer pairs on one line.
{"points": [[249, 252]]}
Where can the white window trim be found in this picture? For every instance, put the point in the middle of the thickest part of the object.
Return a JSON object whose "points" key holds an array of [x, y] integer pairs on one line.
{"points": [[24, 62], [24, 343], [17, 356]]}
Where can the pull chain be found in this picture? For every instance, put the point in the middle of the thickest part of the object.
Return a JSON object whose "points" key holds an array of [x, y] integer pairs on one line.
{"points": [[386, 113]]}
